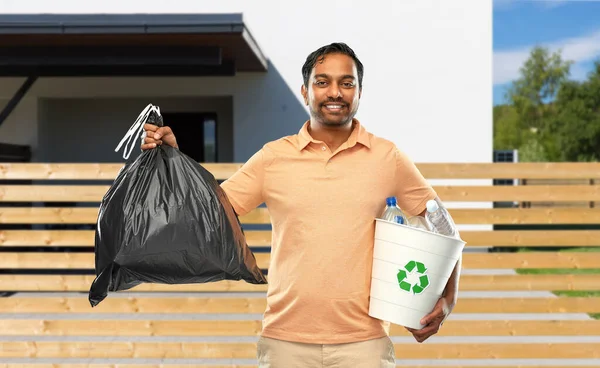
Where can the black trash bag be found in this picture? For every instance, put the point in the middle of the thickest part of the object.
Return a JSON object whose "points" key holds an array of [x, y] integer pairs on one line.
{"points": [[165, 219]]}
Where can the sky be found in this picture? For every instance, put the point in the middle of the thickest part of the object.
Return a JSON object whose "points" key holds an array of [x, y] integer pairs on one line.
{"points": [[518, 25]]}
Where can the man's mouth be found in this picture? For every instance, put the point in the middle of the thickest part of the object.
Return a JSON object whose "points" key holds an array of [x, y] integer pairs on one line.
{"points": [[334, 107]]}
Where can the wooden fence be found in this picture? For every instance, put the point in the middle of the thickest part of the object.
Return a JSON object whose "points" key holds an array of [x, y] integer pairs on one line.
{"points": [[33, 259]]}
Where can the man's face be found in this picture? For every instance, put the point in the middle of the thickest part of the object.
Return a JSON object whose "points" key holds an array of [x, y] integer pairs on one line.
{"points": [[333, 94]]}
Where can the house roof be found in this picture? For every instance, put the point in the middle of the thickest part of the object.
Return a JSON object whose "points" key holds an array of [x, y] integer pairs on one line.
{"points": [[127, 44]]}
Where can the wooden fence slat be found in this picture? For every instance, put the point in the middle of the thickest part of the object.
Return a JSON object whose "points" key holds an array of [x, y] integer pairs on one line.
{"points": [[62, 171], [85, 238], [83, 283], [89, 171], [127, 365], [499, 216], [520, 170], [89, 215], [194, 305], [24, 327], [529, 282], [162, 365], [197, 350], [53, 238], [183, 305], [539, 193], [525, 216], [98, 365], [467, 283], [82, 349], [532, 238], [52, 193], [512, 328], [107, 327], [529, 305], [48, 215], [45, 260], [508, 238], [476, 216], [575, 260], [505, 170]]}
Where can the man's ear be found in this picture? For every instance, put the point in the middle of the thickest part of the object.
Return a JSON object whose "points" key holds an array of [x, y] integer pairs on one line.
{"points": [[304, 92]]}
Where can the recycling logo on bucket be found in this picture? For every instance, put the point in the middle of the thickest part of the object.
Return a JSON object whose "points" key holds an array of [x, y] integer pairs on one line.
{"points": [[417, 288]]}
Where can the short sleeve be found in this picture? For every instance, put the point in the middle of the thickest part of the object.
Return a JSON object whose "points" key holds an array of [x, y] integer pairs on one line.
{"points": [[244, 188], [412, 189]]}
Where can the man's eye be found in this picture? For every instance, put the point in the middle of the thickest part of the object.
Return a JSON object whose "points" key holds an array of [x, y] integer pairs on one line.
{"points": [[320, 83], [348, 84]]}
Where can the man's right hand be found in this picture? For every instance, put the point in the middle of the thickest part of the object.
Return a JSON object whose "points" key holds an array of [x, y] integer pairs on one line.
{"points": [[155, 136]]}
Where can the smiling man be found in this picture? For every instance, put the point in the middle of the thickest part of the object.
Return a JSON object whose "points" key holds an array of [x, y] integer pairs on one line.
{"points": [[323, 188]]}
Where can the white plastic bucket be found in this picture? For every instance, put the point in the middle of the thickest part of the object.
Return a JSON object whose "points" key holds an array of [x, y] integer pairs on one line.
{"points": [[410, 270]]}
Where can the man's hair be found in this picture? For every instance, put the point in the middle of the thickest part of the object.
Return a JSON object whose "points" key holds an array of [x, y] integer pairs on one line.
{"points": [[334, 48]]}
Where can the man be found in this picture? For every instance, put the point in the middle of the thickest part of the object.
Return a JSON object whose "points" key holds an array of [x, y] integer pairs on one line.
{"points": [[324, 187]]}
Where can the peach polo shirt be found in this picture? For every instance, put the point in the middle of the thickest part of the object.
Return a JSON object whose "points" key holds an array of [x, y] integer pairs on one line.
{"points": [[322, 206]]}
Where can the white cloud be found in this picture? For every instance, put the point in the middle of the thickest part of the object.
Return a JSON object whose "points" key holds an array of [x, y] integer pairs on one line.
{"points": [[577, 49], [579, 72], [510, 4]]}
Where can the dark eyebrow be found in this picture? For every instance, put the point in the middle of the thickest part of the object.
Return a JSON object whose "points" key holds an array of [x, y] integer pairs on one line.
{"points": [[327, 76], [322, 75]]}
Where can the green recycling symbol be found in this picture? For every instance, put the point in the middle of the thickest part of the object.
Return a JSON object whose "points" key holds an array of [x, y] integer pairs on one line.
{"points": [[408, 269]]}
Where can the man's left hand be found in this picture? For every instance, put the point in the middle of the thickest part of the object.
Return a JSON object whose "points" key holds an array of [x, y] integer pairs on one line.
{"points": [[433, 321]]}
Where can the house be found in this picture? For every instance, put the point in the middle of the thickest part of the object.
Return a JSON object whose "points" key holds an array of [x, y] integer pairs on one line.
{"points": [[226, 75]]}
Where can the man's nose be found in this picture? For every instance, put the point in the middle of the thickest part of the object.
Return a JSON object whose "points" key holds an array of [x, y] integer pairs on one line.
{"points": [[334, 91]]}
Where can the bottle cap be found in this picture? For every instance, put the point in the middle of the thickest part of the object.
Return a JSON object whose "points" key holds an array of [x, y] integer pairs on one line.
{"points": [[432, 205], [390, 201], [399, 220]]}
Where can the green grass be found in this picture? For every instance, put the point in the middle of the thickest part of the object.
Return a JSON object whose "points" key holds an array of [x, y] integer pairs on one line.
{"points": [[558, 271], [581, 249], [550, 249], [577, 293], [565, 271]]}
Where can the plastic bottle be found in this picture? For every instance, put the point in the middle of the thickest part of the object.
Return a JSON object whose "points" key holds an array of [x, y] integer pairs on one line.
{"points": [[418, 222], [439, 219], [392, 212]]}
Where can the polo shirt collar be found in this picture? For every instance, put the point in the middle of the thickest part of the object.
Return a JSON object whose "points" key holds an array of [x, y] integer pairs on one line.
{"points": [[359, 135]]}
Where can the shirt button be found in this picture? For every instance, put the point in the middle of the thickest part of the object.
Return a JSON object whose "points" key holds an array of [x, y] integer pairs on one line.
{"points": [[323, 148]]}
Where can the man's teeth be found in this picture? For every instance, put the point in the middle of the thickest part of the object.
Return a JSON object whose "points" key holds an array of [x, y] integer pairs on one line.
{"points": [[333, 106]]}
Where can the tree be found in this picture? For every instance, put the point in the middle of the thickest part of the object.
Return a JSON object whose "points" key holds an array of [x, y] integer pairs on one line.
{"points": [[507, 131], [549, 117], [576, 126], [541, 77]]}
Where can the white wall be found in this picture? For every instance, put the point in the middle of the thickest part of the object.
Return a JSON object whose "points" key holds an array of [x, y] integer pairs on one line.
{"points": [[428, 81]]}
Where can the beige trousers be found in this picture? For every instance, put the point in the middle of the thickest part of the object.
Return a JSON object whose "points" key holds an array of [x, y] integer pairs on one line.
{"points": [[376, 353]]}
